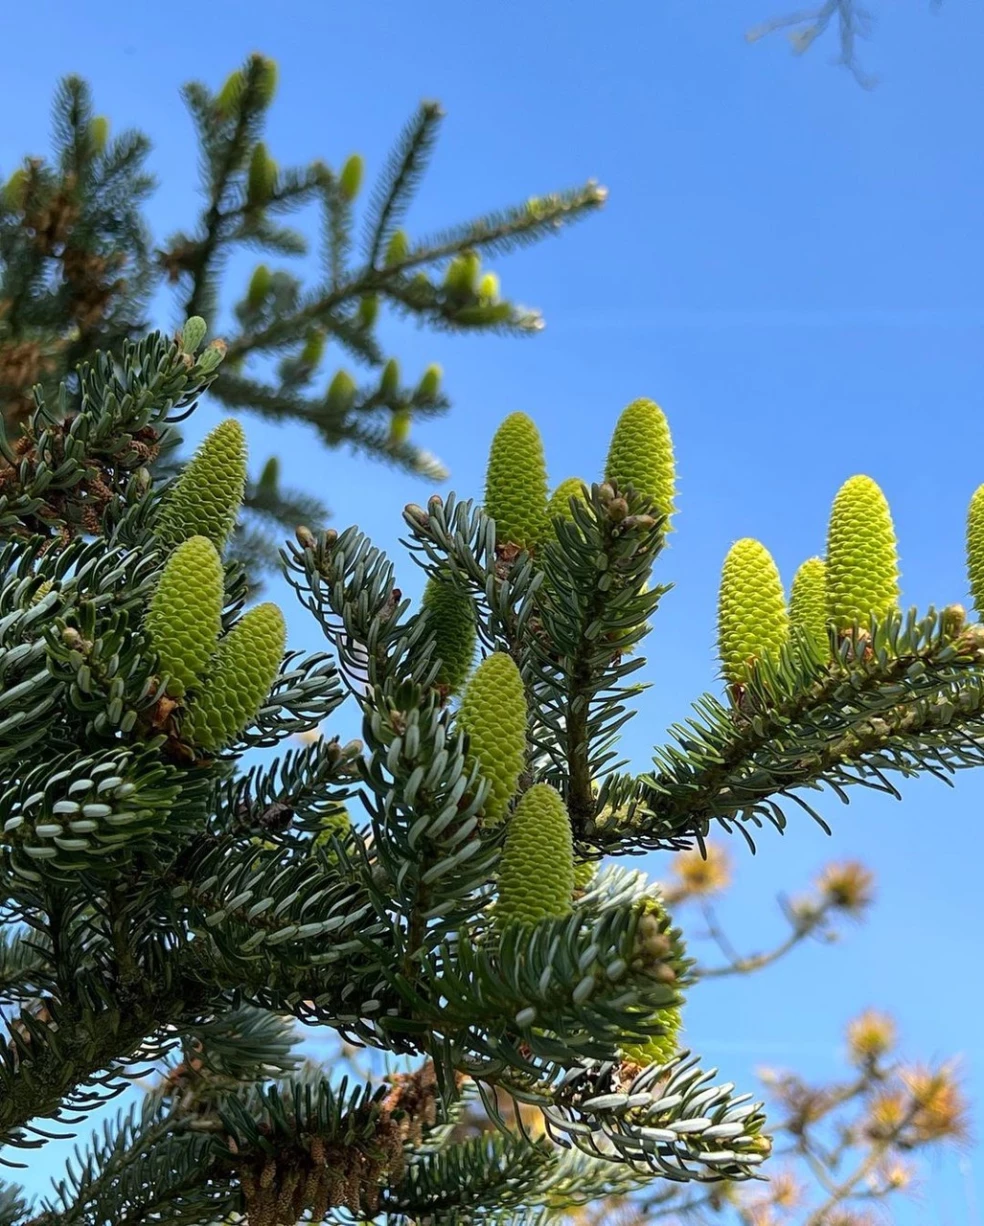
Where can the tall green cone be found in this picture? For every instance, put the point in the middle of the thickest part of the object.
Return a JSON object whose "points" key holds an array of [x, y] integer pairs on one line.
{"points": [[808, 602], [185, 614], [205, 499], [536, 872], [752, 618], [239, 678], [451, 616], [516, 483], [493, 713], [350, 177], [862, 555], [261, 181], [259, 285], [559, 506], [975, 548], [99, 132], [658, 1048], [430, 383], [641, 454]]}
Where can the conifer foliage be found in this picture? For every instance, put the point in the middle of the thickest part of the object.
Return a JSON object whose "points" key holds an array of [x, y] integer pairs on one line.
{"points": [[420, 891], [78, 266]]}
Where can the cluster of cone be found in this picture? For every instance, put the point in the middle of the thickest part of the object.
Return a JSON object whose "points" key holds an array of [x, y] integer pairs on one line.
{"points": [[220, 681], [538, 877], [857, 582]]}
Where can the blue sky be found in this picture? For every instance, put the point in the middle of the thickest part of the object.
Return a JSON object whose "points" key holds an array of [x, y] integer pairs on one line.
{"points": [[790, 265]]}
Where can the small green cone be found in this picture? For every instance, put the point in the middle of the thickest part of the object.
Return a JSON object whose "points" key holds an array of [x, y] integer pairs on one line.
{"points": [[488, 289], [389, 384], [559, 506], [266, 85], [239, 678], [752, 618], [658, 1048], [185, 614], [270, 476], [493, 714], [641, 454], [228, 99], [99, 133], [368, 310], [262, 178], [461, 278], [808, 603], [451, 618], [341, 392], [337, 823], [516, 483], [430, 383], [259, 286], [975, 549], [350, 178], [205, 499], [397, 249], [400, 423], [862, 556], [536, 872], [314, 347], [193, 333]]}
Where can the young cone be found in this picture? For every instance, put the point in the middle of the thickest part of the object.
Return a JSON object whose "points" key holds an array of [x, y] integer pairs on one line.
{"points": [[239, 678], [493, 713], [658, 1048], [641, 454], [862, 555], [185, 614], [975, 548], [205, 499], [559, 506], [536, 872], [451, 617], [752, 618], [808, 603], [516, 483]]}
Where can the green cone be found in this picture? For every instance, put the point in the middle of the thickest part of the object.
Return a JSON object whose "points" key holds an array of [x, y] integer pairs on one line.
{"points": [[536, 872], [451, 617], [261, 181], [641, 454], [808, 602], [516, 483], [350, 177], [493, 713], [752, 618], [585, 873], [559, 506], [862, 555], [239, 678], [205, 499], [185, 614], [975, 548], [658, 1048]]}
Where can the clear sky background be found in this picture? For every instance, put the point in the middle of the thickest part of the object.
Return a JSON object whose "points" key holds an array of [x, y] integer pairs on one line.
{"points": [[790, 265]]}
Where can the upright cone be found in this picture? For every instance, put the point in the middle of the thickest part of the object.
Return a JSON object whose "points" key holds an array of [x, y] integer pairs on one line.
{"points": [[559, 506], [451, 617], [205, 499], [862, 556], [493, 713], [516, 483], [239, 678], [975, 549], [641, 454], [658, 1048], [185, 613], [752, 620], [808, 603], [536, 873]]}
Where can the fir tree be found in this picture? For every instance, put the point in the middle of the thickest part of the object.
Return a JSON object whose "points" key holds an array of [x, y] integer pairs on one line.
{"points": [[78, 267], [166, 901]]}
